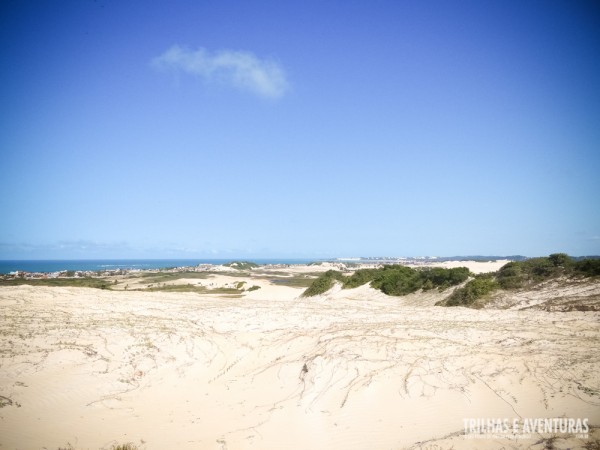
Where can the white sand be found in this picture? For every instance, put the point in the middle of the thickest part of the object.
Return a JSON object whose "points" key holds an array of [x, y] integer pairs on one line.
{"points": [[473, 266], [351, 370]]}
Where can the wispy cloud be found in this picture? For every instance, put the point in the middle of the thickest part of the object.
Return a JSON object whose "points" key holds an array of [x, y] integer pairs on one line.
{"points": [[241, 69]]}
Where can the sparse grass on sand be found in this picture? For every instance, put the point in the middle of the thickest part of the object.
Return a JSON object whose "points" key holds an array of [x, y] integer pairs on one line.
{"points": [[162, 277], [193, 288], [98, 283], [592, 444], [127, 446], [295, 281]]}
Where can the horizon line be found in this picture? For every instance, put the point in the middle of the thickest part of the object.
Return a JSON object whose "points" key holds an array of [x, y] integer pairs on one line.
{"points": [[319, 258]]}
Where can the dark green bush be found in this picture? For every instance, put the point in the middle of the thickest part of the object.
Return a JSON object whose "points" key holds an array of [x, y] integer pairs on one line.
{"points": [[392, 279], [511, 275], [443, 278], [398, 280], [587, 267], [561, 260], [518, 274], [521, 274], [539, 268], [361, 277], [475, 289], [323, 283]]}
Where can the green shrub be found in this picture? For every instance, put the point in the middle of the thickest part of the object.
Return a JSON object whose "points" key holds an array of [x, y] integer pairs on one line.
{"points": [[443, 278], [323, 283], [398, 280], [521, 274], [539, 268], [475, 289], [518, 274], [402, 280], [241, 265], [360, 278], [511, 275], [392, 279], [561, 260], [587, 267]]}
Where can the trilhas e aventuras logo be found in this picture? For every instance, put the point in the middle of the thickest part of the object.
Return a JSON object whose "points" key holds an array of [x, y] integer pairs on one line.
{"points": [[525, 427]]}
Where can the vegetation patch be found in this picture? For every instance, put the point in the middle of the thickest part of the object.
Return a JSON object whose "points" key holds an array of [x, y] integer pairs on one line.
{"points": [[400, 280], [90, 282], [163, 277], [5, 401], [177, 288], [241, 265], [392, 279], [589, 267], [127, 446], [477, 288], [192, 288], [522, 274], [300, 281], [323, 283]]}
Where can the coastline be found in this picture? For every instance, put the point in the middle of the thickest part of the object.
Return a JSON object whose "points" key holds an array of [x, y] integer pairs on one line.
{"points": [[94, 267]]}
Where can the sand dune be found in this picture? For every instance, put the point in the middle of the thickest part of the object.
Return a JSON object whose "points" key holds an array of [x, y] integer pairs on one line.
{"points": [[353, 369]]}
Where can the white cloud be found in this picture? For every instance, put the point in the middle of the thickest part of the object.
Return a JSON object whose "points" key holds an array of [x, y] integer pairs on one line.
{"points": [[242, 69]]}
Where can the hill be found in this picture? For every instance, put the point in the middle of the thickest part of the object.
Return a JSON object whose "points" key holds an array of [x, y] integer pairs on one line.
{"points": [[557, 282], [392, 279], [241, 265], [557, 270]]}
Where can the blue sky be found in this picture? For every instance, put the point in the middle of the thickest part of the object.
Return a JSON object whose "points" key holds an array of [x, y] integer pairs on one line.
{"points": [[299, 129]]}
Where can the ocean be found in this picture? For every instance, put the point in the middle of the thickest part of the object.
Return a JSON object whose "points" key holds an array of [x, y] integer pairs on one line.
{"points": [[7, 266]]}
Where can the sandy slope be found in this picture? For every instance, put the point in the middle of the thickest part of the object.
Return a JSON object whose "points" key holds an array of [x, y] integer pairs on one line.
{"points": [[473, 266], [553, 295], [351, 370]]}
